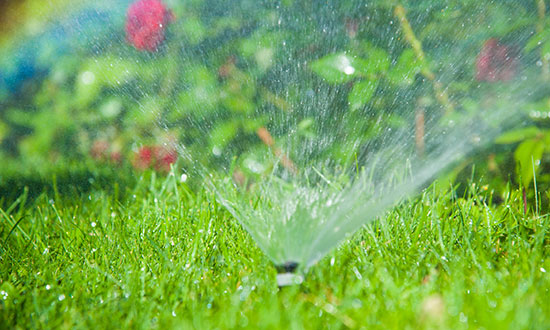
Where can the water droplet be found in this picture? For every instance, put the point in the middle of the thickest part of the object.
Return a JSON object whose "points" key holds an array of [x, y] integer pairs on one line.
{"points": [[357, 274], [93, 224], [87, 77], [349, 70], [61, 297], [542, 270]]}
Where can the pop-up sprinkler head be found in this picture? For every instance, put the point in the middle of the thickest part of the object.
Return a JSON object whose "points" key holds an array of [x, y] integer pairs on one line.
{"points": [[286, 274]]}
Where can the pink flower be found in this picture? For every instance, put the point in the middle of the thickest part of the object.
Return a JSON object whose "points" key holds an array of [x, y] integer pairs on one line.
{"points": [[116, 157], [495, 62], [145, 24], [99, 149], [102, 151]]}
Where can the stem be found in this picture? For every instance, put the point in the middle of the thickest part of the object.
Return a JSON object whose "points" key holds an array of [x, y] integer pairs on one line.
{"points": [[419, 130], [541, 8], [416, 45]]}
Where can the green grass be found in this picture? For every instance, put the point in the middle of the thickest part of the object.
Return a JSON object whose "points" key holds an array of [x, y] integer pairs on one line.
{"points": [[162, 256]]}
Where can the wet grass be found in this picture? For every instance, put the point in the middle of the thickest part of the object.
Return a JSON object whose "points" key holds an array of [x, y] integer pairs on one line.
{"points": [[162, 256]]}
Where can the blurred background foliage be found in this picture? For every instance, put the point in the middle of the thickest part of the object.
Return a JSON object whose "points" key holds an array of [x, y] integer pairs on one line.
{"points": [[77, 97]]}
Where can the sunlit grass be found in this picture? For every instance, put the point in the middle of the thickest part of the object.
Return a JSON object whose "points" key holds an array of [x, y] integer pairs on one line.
{"points": [[161, 255]]}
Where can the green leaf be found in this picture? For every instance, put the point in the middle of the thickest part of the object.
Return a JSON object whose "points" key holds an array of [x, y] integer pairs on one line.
{"points": [[306, 127], [203, 94], [545, 49], [361, 93], [261, 40], [111, 108], [262, 46], [4, 129], [251, 124], [222, 134], [238, 104], [99, 73], [528, 156], [341, 67], [537, 40], [378, 60], [88, 88], [198, 101], [518, 135], [148, 111], [407, 67], [335, 68], [194, 30]]}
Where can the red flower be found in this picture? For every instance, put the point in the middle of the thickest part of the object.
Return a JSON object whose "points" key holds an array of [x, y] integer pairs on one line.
{"points": [[159, 158], [495, 62], [164, 158], [143, 158], [145, 24]]}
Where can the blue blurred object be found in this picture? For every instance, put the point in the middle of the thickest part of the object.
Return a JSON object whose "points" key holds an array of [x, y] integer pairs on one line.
{"points": [[34, 57]]}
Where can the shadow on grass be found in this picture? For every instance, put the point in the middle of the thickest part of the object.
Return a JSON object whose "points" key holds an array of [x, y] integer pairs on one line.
{"points": [[66, 182]]}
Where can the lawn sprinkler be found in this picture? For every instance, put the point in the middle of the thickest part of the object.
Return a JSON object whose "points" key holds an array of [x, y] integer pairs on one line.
{"points": [[286, 274]]}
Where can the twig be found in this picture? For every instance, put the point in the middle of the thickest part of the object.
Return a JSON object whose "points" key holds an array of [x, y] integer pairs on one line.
{"points": [[268, 140], [419, 130], [416, 45]]}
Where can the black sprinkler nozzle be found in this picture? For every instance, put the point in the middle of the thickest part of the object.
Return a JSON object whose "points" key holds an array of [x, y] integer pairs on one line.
{"points": [[287, 267], [286, 274]]}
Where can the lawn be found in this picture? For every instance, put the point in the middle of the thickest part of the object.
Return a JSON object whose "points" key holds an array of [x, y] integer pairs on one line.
{"points": [[157, 254]]}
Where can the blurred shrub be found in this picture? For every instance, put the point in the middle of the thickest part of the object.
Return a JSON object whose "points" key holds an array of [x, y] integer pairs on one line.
{"points": [[217, 73]]}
